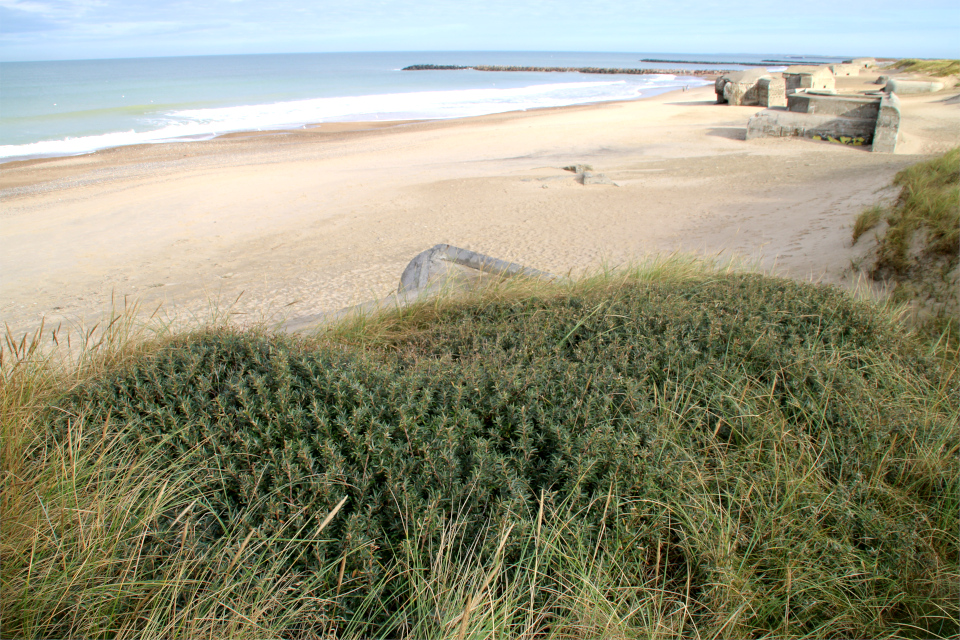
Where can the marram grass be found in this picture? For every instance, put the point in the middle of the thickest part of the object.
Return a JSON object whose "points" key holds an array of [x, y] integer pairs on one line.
{"points": [[918, 248], [685, 453]]}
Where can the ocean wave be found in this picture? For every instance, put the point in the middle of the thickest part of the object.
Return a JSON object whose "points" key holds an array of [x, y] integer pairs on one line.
{"points": [[203, 124]]}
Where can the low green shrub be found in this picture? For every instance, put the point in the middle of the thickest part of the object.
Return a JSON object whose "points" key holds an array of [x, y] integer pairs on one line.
{"points": [[773, 454]]}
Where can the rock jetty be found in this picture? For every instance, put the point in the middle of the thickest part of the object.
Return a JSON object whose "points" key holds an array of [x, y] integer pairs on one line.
{"points": [[597, 70], [765, 63]]}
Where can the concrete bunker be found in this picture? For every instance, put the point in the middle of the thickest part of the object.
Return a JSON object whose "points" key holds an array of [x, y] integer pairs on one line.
{"points": [[839, 70], [751, 87], [862, 119], [809, 77]]}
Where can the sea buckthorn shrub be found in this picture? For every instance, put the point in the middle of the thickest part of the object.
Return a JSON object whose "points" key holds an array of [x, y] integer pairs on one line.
{"points": [[731, 424]]}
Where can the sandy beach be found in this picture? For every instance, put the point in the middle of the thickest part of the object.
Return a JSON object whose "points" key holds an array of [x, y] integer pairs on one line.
{"points": [[290, 224]]}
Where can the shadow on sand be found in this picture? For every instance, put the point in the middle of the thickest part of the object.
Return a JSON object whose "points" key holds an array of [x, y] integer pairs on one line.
{"points": [[695, 103]]}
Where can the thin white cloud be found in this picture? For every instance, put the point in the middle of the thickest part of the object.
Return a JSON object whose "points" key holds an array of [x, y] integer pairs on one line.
{"points": [[26, 6], [54, 9]]}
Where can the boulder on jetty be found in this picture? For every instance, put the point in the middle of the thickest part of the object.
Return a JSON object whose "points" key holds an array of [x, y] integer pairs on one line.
{"points": [[752, 87], [593, 70]]}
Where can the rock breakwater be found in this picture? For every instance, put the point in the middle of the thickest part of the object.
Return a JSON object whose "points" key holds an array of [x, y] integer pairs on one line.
{"points": [[594, 70]]}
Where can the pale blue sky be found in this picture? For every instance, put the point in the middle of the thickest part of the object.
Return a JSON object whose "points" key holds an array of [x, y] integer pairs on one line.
{"points": [[79, 29]]}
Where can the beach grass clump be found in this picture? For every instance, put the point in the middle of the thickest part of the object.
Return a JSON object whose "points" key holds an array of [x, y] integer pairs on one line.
{"points": [[920, 245], [938, 68], [680, 453]]}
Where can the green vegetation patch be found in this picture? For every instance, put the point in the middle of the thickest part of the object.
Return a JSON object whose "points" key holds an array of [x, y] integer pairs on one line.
{"points": [[765, 456], [937, 68], [855, 141]]}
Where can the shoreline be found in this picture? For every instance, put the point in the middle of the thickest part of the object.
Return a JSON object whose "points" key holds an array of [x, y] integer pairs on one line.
{"points": [[344, 124], [311, 130], [296, 224]]}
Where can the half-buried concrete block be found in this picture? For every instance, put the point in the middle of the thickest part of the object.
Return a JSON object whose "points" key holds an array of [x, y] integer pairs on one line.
{"points": [[443, 264], [912, 86]]}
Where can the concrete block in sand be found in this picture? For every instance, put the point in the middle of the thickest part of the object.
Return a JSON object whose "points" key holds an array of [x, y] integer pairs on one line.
{"points": [[438, 266], [912, 86], [589, 177]]}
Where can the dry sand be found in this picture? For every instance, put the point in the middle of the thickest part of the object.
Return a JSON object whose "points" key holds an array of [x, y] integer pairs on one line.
{"points": [[301, 223]]}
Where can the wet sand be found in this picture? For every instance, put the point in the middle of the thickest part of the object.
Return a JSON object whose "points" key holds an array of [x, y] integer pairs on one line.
{"points": [[290, 224]]}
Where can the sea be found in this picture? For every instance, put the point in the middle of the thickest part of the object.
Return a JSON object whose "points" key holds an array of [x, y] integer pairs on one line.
{"points": [[63, 108]]}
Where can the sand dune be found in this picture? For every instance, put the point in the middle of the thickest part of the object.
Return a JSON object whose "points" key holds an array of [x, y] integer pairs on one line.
{"points": [[300, 223]]}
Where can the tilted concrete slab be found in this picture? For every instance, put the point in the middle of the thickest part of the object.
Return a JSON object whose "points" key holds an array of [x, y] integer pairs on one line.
{"points": [[441, 268], [435, 267]]}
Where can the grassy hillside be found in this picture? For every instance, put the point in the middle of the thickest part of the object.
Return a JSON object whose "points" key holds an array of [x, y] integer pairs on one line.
{"points": [[669, 452], [937, 68]]}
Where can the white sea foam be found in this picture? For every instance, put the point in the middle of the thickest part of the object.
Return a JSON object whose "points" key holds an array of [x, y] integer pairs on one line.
{"points": [[201, 124]]}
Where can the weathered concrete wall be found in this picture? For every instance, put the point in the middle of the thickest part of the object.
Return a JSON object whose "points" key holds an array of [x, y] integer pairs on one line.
{"points": [[772, 92], [863, 63], [888, 124], [912, 86], [845, 70], [857, 120], [774, 123]]}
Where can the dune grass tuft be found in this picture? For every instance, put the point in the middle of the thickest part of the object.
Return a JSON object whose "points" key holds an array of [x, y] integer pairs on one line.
{"points": [[671, 451]]}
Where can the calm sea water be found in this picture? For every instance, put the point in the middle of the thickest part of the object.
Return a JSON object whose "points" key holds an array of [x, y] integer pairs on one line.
{"points": [[72, 107]]}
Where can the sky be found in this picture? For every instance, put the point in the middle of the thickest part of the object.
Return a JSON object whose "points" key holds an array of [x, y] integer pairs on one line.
{"points": [[85, 29]]}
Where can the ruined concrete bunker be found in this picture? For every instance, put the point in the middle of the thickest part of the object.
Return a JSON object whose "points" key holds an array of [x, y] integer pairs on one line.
{"points": [[863, 119]]}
